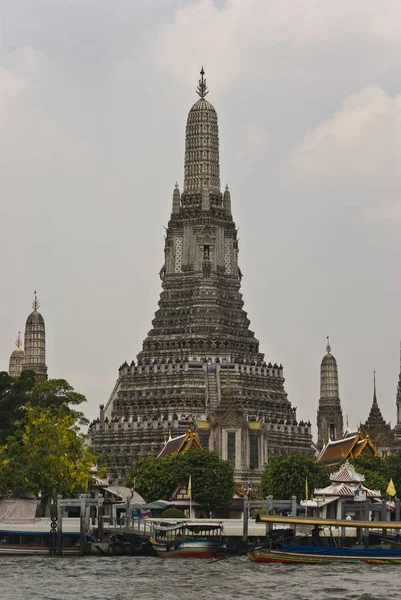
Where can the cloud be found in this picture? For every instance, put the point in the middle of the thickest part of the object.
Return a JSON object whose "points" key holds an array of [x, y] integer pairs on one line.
{"points": [[354, 157], [282, 40], [390, 213], [27, 130], [362, 139]]}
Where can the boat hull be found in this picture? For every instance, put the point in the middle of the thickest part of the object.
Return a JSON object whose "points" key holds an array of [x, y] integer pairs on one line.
{"points": [[34, 550], [190, 549], [326, 555]]}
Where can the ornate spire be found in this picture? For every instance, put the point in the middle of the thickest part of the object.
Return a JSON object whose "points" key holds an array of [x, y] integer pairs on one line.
{"points": [[375, 418], [329, 415], [400, 361], [328, 347], [202, 168], [176, 200], [18, 343], [35, 303], [227, 201], [374, 388], [202, 90], [35, 342]]}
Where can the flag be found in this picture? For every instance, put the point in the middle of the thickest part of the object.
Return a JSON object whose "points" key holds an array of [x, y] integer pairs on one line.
{"points": [[306, 488], [391, 489], [133, 489], [189, 489]]}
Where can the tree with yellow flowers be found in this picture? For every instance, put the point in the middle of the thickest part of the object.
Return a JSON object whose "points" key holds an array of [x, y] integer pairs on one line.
{"points": [[47, 455]]}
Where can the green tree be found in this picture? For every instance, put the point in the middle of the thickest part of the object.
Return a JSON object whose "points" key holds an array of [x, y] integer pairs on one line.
{"points": [[50, 458], [58, 395], [212, 478], [15, 393], [153, 477], [375, 469], [285, 475]]}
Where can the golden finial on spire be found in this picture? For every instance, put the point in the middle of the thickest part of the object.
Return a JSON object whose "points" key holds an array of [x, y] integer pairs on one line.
{"points": [[18, 343], [35, 303], [328, 347], [202, 90]]}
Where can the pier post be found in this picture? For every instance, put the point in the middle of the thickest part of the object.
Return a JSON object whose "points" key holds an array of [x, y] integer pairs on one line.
{"points": [[397, 508], [59, 527], [82, 526], [100, 531], [269, 509], [294, 506], [366, 518], [245, 520]]}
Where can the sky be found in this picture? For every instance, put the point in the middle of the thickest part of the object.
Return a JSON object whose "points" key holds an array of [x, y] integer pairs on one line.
{"points": [[94, 97]]}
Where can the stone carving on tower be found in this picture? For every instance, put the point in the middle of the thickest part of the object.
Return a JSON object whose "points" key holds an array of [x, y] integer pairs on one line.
{"points": [[16, 358], [200, 338], [329, 415], [35, 342]]}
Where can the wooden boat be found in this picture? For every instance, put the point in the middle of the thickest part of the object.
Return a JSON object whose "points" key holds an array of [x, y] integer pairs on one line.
{"points": [[31, 542], [300, 554], [325, 554], [190, 539]]}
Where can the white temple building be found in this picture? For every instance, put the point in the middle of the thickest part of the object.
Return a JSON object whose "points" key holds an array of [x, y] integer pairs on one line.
{"points": [[346, 486]]}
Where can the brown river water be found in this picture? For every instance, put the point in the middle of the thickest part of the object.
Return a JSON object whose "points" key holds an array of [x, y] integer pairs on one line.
{"points": [[131, 578]]}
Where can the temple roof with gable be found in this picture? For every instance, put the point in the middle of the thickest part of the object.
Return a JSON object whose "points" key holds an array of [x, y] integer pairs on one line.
{"points": [[348, 447], [344, 489], [347, 474], [345, 482], [181, 444]]}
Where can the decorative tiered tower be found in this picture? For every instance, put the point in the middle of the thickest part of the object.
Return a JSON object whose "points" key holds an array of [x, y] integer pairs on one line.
{"points": [[397, 428], [35, 342], [200, 347], [376, 427], [16, 358], [329, 415]]}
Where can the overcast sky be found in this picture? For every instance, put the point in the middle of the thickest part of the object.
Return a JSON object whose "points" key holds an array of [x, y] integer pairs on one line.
{"points": [[94, 97]]}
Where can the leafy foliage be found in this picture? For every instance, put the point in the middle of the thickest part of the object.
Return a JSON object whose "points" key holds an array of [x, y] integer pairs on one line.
{"points": [[17, 393], [212, 478], [41, 449], [285, 476], [58, 395], [173, 513], [14, 396], [50, 458], [379, 471]]}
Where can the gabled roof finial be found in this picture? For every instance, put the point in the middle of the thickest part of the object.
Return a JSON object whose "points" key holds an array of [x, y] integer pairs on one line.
{"points": [[202, 90], [18, 343], [35, 303]]}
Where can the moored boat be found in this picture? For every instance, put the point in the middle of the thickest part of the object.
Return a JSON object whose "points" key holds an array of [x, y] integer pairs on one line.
{"points": [[324, 554], [190, 539], [330, 552], [28, 542]]}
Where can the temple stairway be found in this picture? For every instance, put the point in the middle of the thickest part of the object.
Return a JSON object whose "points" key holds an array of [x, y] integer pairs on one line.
{"points": [[212, 390]]}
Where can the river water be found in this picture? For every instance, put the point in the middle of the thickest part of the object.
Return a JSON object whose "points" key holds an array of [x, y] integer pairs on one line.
{"points": [[131, 578]]}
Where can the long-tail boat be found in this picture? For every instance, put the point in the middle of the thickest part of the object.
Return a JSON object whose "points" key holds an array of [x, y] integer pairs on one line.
{"points": [[318, 553], [195, 539]]}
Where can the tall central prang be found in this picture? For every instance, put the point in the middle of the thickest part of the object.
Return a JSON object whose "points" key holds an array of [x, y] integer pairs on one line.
{"points": [[200, 364]]}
